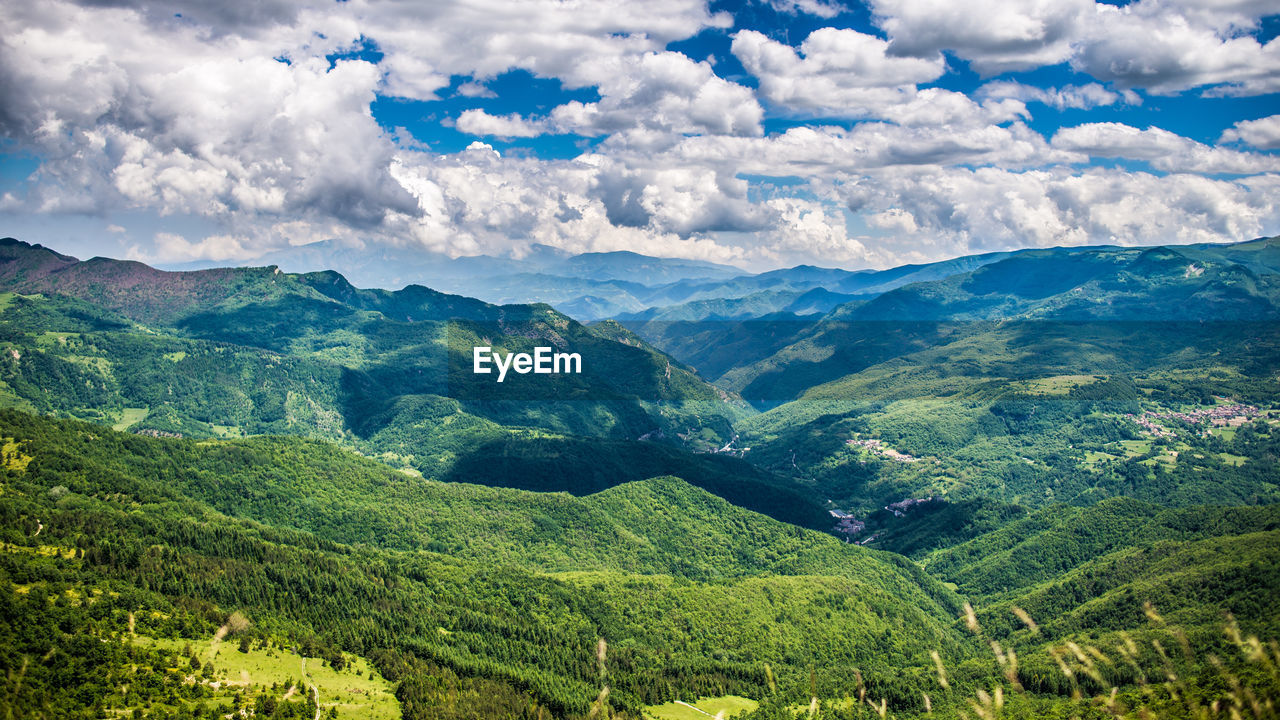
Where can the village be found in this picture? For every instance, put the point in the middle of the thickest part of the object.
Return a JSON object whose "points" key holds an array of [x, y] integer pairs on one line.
{"points": [[879, 448], [850, 526], [1226, 415]]}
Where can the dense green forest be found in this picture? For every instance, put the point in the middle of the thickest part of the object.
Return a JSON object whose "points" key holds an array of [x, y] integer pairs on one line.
{"points": [[88, 509], [244, 490], [442, 586]]}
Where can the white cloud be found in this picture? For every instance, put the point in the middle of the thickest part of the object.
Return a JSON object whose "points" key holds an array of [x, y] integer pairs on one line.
{"points": [[826, 151], [818, 8], [479, 122], [173, 121], [842, 72], [893, 219], [1147, 45], [132, 108], [171, 247], [663, 91], [475, 90], [808, 229], [1163, 46], [1080, 97], [1160, 148], [578, 42], [1263, 133], [995, 35], [959, 211]]}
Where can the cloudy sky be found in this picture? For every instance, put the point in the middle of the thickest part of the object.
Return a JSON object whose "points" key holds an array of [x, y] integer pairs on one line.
{"points": [[755, 133]]}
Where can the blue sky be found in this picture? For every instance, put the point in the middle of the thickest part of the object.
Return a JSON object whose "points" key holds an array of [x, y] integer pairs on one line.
{"points": [[761, 134]]}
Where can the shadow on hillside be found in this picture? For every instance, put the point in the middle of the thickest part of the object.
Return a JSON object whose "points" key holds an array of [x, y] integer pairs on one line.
{"points": [[585, 466]]}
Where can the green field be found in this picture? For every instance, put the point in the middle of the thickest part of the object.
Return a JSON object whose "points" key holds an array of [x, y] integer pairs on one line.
{"points": [[1134, 448], [1235, 460], [1059, 384], [228, 431], [725, 706], [130, 417], [358, 691]]}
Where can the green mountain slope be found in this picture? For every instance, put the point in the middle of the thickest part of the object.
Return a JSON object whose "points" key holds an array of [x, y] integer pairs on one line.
{"points": [[1058, 539], [1095, 285], [304, 556], [224, 353], [1036, 413]]}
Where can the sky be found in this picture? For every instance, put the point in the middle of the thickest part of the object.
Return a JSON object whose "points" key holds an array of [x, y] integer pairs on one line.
{"points": [[759, 134]]}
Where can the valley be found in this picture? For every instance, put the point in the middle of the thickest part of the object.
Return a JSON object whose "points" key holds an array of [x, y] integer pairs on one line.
{"points": [[1048, 477]]}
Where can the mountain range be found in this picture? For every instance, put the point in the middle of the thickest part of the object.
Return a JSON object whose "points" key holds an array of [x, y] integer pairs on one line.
{"points": [[809, 492]]}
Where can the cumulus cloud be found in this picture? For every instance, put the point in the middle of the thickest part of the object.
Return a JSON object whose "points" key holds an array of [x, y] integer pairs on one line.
{"points": [[1145, 45], [817, 8], [171, 247], [995, 35], [811, 229], [825, 151], [842, 72], [1263, 133], [1163, 46], [257, 119], [217, 127], [478, 201], [576, 42], [663, 91], [1162, 149], [479, 122], [1079, 97], [959, 211], [475, 90]]}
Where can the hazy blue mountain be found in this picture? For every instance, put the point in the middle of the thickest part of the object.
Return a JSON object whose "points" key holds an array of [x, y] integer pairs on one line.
{"points": [[1105, 284], [592, 286]]}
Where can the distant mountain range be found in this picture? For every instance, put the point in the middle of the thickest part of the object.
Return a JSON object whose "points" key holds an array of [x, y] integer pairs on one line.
{"points": [[592, 286], [1006, 453]]}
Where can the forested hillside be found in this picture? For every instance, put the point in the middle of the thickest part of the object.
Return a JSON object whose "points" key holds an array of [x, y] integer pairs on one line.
{"points": [[232, 352], [495, 601], [288, 534], [1011, 486]]}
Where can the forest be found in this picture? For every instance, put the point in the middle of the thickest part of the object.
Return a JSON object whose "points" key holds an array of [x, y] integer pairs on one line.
{"points": [[245, 491]]}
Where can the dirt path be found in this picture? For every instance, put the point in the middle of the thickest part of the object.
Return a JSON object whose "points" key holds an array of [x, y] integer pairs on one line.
{"points": [[289, 693], [217, 638], [315, 691], [695, 707]]}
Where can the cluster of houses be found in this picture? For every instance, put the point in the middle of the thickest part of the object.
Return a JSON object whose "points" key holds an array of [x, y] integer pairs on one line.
{"points": [[1228, 415], [847, 524], [879, 448], [152, 432], [851, 527], [900, 508]]}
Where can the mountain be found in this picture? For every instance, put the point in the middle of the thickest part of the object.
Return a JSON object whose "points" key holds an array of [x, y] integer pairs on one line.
{"points": [[318, 548], [137, 565], [593, 286], [1093, 285], [719, 326], [1042, 378], [230, 352], [542, 274], [1016, 476]]}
